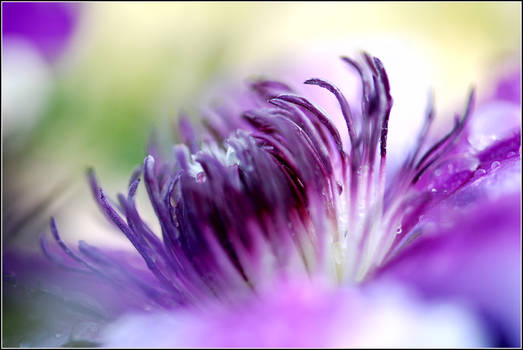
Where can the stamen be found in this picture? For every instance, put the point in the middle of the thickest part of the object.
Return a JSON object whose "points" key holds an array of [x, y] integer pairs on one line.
{"points": [[269, 89], [302, 102], [55, 259], [344, 105], [275, 190], [447, 142], [187, 134], [422, 134]]}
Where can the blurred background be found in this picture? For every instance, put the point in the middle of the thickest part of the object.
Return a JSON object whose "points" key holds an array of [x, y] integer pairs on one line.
{"points": [[86, 84]]}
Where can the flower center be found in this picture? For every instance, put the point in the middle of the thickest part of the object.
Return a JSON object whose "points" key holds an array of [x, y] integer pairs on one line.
{"points": [[277, 192]]}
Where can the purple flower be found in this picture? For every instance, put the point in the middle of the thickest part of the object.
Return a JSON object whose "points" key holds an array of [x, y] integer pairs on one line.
{"points": [[34, 37], [47, 26], [280, 229]]}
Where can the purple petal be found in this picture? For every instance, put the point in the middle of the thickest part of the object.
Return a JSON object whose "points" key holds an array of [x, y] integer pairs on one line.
{"points": [[509, 87], [472, 255], [301, 314], [63, 303]]}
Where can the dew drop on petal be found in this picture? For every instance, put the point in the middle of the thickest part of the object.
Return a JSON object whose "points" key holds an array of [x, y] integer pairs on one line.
{"points": [[493, 122], [494, 165], [455, 164], [480, 172], [398, 230]]}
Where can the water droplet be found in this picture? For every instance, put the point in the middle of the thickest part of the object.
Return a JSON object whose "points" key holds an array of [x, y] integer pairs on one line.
{"points": [[433, 190], [494, 121], [398, 230], [511, 154], [453, 165], [494, 165], [200, 177], [480, 172]]}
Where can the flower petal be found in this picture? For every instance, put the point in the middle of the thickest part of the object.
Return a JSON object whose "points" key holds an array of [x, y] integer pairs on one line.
{"points": [[509, 87], [298, 314], [472, 255]]}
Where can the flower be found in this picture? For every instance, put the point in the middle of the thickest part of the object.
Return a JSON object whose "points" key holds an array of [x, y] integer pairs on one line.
{"points": [[48, 27], [34, 37], [280, 229]]}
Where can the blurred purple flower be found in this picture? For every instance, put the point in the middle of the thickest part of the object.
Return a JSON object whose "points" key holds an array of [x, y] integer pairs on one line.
{"points": [[279, 229], [48, 26], [509, 88]]}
